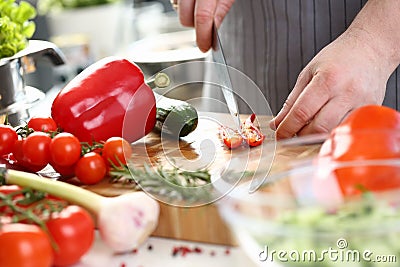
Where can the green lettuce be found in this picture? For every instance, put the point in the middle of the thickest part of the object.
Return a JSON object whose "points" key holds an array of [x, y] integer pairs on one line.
{"points": [[16, 26]]}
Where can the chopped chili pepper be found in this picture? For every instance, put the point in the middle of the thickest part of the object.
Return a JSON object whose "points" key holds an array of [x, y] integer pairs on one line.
{"points": [[231, 138], [251, 134]]}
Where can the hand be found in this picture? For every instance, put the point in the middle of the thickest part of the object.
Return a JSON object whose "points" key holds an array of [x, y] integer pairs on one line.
{"points": [[346, 74], [201, 15]]}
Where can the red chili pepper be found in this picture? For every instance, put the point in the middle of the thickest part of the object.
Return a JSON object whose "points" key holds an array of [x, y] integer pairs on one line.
{"points": [[231, 138], [251, 134], [109, 98]]}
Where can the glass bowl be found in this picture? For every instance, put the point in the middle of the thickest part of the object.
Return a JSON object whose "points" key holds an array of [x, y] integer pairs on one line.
{"points": [[301, 216]]}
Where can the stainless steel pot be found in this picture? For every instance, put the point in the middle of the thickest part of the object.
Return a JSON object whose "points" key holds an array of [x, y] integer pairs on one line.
{"points": [[156, 53], [15, 97]]}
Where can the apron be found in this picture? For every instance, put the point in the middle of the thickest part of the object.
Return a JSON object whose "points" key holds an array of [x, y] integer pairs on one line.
{"points": [[271, 41]]}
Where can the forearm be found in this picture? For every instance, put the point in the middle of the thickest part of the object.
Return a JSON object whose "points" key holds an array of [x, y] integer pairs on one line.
{"points": [[378, 25]]}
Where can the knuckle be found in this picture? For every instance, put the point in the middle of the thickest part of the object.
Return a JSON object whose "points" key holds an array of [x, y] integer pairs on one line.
{"points": [[326, 81], [283, 133], [287, 105], [302, 115], [204, 16], [224, 6], [321, 128]]}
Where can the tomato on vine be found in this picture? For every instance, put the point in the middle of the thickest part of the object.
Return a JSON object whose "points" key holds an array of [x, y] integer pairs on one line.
{"points": [[22, 160], [36, 148], [117, 150], [65, 149], [90, 168], [42, 124], [8, 137]]}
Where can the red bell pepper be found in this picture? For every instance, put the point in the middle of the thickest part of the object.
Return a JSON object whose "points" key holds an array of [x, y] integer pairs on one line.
{"points": [[109, 98]]}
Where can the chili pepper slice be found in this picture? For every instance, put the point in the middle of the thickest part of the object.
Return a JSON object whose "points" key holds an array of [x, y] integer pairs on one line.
{"points": [[232, 139], [251, 134]]}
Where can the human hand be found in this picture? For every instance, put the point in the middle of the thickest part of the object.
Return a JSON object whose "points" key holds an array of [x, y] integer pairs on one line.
{"points": [[346, 74], [201, 14]]}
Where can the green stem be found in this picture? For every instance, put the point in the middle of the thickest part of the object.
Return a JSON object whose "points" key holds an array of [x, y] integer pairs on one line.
{"points": [[73, 194], [161, 80]]}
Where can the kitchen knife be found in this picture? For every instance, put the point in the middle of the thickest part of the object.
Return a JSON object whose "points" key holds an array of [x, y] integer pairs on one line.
{"points": [[223, 73]]}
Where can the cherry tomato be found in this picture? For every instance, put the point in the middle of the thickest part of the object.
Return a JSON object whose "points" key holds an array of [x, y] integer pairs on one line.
{"points": [[90, 168], [9, 189], [64, 171], [8, 136], [24, 245], [21, 159], [232, 139], [36, 149], [116, 150], [65, 149], [73, 231], [42, 124]]}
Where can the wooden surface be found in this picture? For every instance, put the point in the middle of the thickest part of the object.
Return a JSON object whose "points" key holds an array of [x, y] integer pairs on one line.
{"points": [[200, 149]]}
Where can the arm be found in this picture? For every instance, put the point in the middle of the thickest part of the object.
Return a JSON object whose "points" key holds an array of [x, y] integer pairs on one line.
{"points": [[201, 15], [350, 72]]}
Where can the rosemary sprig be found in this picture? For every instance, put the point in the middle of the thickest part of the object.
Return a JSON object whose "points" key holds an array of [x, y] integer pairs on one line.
{"points": [[32, 208], [171, 184]]}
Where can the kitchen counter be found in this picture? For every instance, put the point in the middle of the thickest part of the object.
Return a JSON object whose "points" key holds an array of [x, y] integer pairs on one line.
{"points": [[159, 252]]}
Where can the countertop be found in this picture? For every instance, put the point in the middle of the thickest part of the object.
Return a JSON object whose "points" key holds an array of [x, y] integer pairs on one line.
{"points": [[160, 252]]}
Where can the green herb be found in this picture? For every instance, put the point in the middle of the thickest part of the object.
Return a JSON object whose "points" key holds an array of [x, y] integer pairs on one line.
{"points": [[45, 6], [32, 208], [173, 184], [15, 26]]}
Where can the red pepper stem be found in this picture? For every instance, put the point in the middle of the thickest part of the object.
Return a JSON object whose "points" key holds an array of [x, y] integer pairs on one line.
{"points": [[73, 194], [161, 80]]}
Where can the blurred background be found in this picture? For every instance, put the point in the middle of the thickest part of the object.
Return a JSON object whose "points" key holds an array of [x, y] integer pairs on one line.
{"points": [[146, 32]]}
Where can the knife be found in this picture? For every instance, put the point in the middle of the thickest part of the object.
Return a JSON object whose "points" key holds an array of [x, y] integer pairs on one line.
{"points": [[223, 73]]}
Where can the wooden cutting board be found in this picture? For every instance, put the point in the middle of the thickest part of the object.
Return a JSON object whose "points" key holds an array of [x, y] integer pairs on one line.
{"points": [[201, 149]]}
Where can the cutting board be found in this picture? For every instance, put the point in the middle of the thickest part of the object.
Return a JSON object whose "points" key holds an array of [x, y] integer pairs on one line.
{"points": [[200, 149]]}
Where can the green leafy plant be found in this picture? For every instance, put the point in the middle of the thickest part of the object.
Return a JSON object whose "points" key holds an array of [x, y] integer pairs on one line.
{"points": [[16, 26], [45, 6]]}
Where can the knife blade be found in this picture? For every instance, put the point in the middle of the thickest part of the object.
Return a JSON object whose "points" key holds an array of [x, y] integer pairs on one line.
{"points": [[225, 79]]}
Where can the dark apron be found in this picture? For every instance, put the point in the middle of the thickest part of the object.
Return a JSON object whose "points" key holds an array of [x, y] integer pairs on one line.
{"points": [[272, 40]]}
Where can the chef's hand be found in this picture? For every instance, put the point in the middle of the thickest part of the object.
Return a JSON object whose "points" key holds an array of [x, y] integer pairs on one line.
{"points": [[346, 74], [201, 14]]}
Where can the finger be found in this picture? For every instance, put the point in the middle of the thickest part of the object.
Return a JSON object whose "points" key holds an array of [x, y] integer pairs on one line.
{"points": [[186, 12], [310, 101], [327, 118], [302, 81], [222, 9], [204, 11]]}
